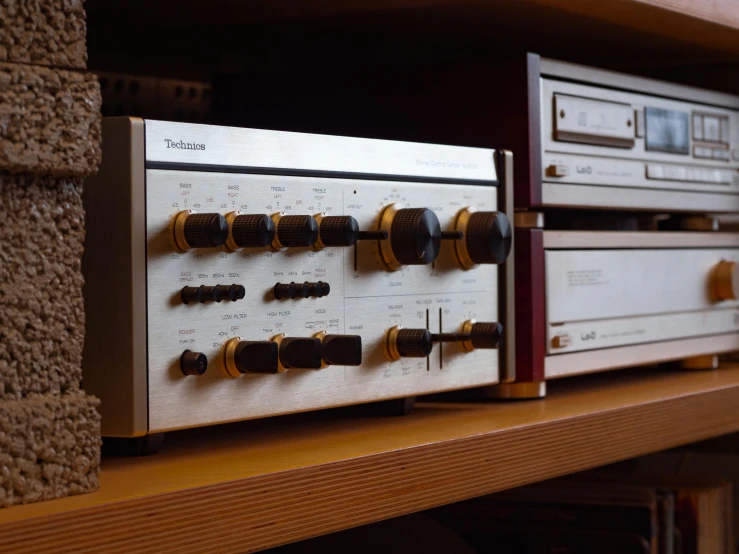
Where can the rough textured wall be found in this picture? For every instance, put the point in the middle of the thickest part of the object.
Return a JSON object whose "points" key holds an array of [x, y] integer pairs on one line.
{"points": [[43, 32], [49, 120], [49, 141]]}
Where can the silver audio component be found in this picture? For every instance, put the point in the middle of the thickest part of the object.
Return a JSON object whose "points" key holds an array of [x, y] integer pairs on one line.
{"points": [[237, 273], [616, 141]]}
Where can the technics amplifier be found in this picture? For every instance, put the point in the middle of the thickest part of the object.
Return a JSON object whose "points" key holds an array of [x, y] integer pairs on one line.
{"points": [[596, 300], [581, 137], [239, 273]]}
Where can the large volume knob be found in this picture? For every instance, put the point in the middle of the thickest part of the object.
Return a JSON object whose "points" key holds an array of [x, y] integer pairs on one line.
{"points": [[415, 236], [487, 238], [249, 230], [193, 230], [243, 356], [725, 280], [294, 231]]}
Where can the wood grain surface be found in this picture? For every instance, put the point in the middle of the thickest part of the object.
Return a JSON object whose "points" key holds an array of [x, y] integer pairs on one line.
{"points": [[253, 485]]}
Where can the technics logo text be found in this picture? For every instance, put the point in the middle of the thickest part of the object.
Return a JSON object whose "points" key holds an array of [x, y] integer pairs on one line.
{"points": [[182, 145]]}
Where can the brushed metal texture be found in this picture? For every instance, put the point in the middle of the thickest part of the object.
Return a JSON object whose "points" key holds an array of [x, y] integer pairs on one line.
{"points": [[366, 301], [229, 146]]}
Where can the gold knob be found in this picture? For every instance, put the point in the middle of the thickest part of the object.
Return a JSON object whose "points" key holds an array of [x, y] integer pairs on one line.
{"points": [[726, 280]]}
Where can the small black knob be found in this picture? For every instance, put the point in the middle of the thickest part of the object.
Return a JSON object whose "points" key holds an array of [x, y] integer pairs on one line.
{"points": [[342, 349], [415, 236], [191, 294], [302, 353], [193, 363], [488, 237], [205, 230], [252, 230], [229, 292], [210, 294], [414, 343], [338, 230], [486, 335], [256, 357], [318, 290], [297, 230]]}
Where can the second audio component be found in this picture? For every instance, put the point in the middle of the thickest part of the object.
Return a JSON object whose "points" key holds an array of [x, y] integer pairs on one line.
{"points": [[237, 273], [595, 301]]}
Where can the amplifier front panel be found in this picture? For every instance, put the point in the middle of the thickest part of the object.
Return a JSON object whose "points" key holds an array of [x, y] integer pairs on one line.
{"points": [[606, 298], [365, 298]]}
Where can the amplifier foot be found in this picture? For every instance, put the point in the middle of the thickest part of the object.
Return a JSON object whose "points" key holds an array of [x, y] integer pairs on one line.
{"points": [[135, 446], [709, 361], [388, 408], [528, 390]]}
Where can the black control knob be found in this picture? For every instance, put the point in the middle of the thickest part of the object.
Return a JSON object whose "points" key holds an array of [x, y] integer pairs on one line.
{"points": [[409, 343], [205, 293], [486, 335], [193, 363], [488, 237], [230, 292], [301, 353], [243, 356], [296, 230], [342, 349], [200, 230], [338, 230], [415, 236], [252, 230]]}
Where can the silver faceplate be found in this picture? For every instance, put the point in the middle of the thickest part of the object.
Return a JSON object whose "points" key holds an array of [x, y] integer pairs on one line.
{"points": [[585, 158], [186, 143], [366, 300]]}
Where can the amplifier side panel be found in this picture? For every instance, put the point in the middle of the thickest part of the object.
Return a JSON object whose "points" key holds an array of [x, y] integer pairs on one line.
{"points": [[530, 305], [114, 265]]}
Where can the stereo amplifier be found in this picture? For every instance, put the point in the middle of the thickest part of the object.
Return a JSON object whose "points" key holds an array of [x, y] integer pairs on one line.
{"points": [[593, 301], [238, 273]]}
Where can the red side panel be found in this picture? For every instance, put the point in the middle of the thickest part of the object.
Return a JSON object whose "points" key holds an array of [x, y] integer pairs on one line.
{"points": [[530, 305]]}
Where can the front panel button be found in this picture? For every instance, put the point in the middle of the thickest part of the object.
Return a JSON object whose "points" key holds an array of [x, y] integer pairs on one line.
{"points": [[193, 363], [342, 350], [300, 353]]}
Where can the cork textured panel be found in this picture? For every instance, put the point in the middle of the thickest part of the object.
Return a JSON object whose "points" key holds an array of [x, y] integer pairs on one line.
{"points": [[49, 447], [41, 310], [49, 121], [43, 32]]}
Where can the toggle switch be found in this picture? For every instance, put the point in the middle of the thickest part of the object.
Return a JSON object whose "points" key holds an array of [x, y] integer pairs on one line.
{"points": [[340, 349], [243, 356], [299, 352]]}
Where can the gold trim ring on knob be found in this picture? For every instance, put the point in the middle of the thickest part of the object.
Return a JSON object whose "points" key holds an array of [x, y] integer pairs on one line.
{"points": [[229, 360], [178, 230], [726, 280], [230, 243], [276, 244], [467, 330], [318, 245], [392, 343], [460, 246], [386, 246]]}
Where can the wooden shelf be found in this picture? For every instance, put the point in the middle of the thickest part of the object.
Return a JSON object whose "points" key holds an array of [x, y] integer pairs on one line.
{"points": [[252, 485]]}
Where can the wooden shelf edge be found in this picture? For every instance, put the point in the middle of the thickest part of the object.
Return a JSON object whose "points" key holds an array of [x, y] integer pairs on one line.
{"points": [[246, 514]]}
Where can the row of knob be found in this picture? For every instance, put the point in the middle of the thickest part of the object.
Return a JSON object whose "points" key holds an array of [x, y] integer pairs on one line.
{"points": [[323, 350], [408, 236]]}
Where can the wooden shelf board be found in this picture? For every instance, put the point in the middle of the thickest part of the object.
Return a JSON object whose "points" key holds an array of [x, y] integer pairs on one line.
{"points": [[252, 485]]}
